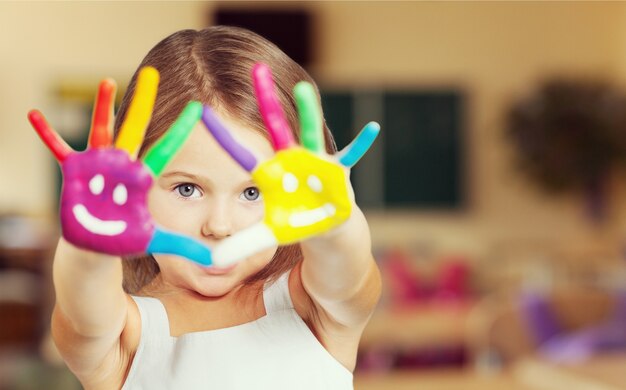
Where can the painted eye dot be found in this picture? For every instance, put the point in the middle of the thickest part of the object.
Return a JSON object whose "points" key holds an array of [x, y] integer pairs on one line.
{"points": [[120, 195], [290, 182], [96, 184], [314, 183]]}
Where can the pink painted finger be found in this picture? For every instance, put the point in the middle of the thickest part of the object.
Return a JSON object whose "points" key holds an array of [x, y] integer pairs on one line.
{"points": [[270, 108]]}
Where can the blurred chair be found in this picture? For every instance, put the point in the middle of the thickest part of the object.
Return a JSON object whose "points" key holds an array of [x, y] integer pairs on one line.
{"points": [[499, 331], [19, 310]]}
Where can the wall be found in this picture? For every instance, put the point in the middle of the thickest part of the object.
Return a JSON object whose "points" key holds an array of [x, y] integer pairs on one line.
{"points": [[494, 51], [42, 42]]}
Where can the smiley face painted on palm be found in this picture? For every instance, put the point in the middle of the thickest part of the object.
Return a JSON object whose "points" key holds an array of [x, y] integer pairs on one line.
{"points": [[104, 197], [103, 202], [303, 194]]}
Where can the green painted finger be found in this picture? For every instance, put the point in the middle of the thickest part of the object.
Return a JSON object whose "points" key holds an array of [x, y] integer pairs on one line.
{"points": [[310, 117], [166, 147]]}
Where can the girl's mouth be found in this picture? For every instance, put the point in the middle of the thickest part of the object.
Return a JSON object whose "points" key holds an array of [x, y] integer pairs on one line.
{"points": [[213, 270]]}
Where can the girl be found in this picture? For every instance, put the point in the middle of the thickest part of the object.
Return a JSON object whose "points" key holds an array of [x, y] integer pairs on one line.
{"points": [[284, 318]]}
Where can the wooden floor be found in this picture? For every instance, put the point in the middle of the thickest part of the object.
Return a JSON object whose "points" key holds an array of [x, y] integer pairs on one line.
{"points": [[601, 372], [439, 380]]}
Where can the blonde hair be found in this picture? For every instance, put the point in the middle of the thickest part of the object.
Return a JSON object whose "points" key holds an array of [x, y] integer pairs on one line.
{"points": [[214, 66]]}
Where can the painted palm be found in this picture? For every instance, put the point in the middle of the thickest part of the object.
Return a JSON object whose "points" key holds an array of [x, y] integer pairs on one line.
{"points": [[305, 190], [103, 200]]}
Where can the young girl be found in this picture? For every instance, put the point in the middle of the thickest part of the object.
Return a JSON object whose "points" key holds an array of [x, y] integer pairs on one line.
{"points": [[284, 318]]}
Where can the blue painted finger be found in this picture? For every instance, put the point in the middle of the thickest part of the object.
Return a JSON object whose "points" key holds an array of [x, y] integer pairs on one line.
{"points": [[352, 153], [172, 243]]}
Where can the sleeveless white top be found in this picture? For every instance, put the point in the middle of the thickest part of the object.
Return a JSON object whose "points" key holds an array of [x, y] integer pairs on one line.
{"points": [[277, 351]]}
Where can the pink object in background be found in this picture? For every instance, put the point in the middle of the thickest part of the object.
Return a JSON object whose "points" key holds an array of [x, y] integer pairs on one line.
{"points": [[403, 285], [453, 283]]}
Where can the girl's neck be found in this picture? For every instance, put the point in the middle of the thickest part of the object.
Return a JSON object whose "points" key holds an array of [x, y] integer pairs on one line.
{"points": [[160, 289], [189, 311]]}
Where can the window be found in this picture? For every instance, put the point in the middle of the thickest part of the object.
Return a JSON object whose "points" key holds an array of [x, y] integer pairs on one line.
{"points": [[417, 160]]}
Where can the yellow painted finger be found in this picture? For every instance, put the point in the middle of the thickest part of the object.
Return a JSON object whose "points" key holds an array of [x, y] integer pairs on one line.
{"points": [[138, 116]]}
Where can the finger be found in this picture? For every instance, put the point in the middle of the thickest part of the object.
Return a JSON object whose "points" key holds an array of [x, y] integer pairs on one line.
{"points": [[352, 153], [162, 152], [270, 108], [237, 151], [171, 243], [101, 129], [244, 244], [59, 148], [310, 117], [139, 113]]}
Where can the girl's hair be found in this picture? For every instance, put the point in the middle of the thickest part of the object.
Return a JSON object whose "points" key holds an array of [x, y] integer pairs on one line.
{"points": [[214, 66]]}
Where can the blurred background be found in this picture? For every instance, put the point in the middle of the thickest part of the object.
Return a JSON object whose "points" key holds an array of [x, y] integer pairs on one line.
{"points": [[496, 194]]}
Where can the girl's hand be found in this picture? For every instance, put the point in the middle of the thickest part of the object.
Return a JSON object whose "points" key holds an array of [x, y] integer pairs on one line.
{"points": [[103, 200], [305, 191]]}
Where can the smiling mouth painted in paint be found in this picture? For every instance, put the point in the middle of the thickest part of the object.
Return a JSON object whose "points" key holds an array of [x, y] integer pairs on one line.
{"points": [[95, 225], [310, 217]]}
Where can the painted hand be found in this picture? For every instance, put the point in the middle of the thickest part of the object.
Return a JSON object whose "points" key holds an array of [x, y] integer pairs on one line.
{"points": [[305, 190], [103, 200]]}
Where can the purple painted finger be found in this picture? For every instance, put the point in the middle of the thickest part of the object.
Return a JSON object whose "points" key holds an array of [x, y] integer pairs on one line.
{"points": [[221, 134], [270, 108]]}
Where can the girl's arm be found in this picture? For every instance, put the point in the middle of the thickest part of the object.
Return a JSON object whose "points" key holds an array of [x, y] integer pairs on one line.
{"points": [[91, 312], [339, 272], [95, 324]]}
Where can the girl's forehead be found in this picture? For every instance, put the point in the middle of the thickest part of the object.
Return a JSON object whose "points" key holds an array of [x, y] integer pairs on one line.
{"points": [[203, 158], [201, 148], [258, 143]]}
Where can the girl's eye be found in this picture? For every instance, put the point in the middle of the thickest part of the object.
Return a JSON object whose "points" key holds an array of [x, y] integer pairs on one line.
{"points": [[187, 190], [251, 193]]}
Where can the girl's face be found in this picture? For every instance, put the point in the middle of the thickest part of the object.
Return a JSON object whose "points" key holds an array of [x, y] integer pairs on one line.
{"points": [[205, 194]]}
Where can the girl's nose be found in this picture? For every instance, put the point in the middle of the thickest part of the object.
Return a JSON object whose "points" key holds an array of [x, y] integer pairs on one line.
{"points": [[218, 223]]}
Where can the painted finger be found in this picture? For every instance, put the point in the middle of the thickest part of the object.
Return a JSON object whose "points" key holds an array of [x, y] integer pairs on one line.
{"points": [[162, 152], [101, 129], [310, 117], [270, 108], [138, 116], [59, 148], [352, 153], [171, 243], [244, 244], [221, 134]]}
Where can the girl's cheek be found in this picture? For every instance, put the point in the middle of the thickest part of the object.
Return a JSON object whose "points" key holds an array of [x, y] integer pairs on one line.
{"points": [[173, 213], [249, 215]]}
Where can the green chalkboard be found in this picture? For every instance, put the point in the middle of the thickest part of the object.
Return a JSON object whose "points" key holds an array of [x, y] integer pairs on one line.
{"points": [[423, 149], [421, 145], [339, 114]]}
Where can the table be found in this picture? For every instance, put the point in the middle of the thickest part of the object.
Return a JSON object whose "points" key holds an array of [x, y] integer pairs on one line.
{"points": [[601, 372]]}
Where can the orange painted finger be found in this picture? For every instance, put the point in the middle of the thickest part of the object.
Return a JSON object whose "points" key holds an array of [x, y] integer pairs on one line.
{"points": [[101, 122]]}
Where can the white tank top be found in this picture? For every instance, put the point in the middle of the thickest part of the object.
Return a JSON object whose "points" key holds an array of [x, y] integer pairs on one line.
{"points": [[277, 351]]}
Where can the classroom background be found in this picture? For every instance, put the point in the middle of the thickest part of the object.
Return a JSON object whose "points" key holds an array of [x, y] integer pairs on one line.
{"points": [[496, 194]]}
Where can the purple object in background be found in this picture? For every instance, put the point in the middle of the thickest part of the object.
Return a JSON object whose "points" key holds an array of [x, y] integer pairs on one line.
{"points": [[539, 317], [578, 346], [103, 202], [574, 347]]}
